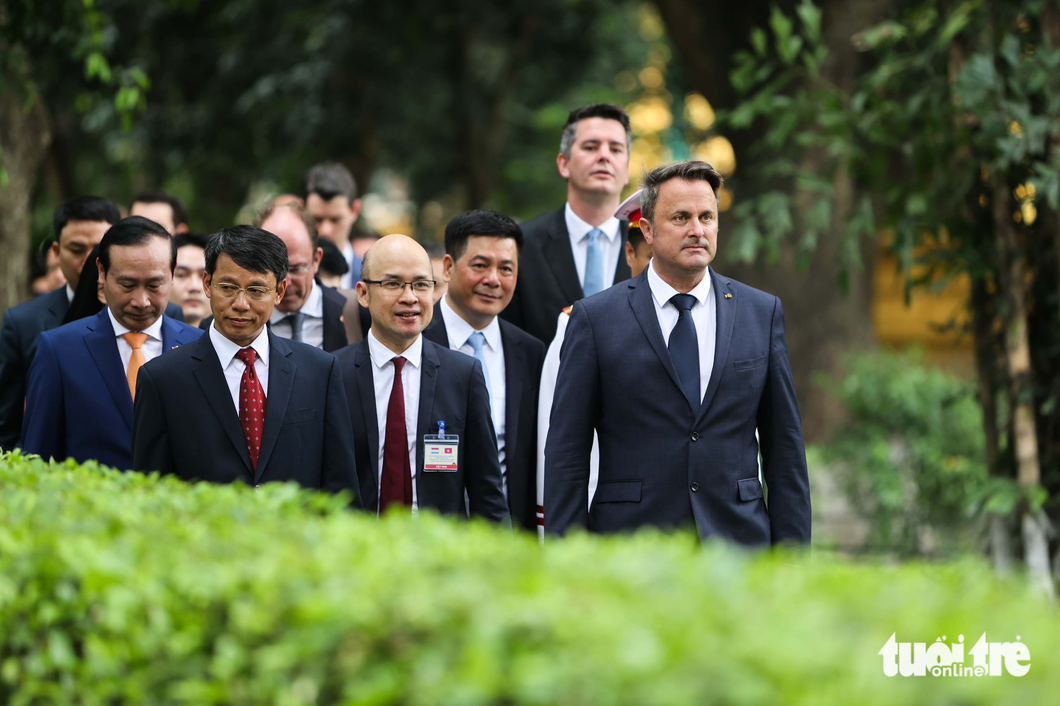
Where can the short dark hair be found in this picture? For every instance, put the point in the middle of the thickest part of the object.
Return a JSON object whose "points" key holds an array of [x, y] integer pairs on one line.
{"points": [[635, 237], [299, 211], [84, 208], [691, 170], [190, 237], [180, 214], [249, 247], [329, 180], [333, 262], [134, 230], [481, 222], [596, 110]]}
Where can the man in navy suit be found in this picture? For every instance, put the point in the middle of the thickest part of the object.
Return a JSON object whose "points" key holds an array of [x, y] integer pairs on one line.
{"points": [[242, 404], [675, 371], [79, 401], [79, 225], [403, 389], [481, 266]]}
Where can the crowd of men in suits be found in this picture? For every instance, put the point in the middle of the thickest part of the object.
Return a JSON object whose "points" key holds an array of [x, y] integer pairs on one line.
{"points": [[587, 369]]}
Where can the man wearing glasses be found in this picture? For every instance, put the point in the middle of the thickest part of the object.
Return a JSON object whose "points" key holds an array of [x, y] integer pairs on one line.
{"points": [[421, 413], [243, 404]]}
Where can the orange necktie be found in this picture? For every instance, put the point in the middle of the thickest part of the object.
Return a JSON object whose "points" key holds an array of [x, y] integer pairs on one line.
{"points": [[136, 360]]}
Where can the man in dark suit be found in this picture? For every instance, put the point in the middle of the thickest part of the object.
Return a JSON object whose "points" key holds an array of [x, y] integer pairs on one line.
{"points": [[241, 403], [576, 251], [79, 225], [675, 372], [481, 266], [80, 389], [402, 388]]}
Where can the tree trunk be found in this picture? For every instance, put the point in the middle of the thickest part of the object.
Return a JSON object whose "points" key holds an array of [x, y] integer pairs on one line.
{"points": [[1018, 354], [25, 135]]}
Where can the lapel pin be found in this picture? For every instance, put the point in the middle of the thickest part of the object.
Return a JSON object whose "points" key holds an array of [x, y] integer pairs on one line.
{"points": [[728, 296], [175, 347]]}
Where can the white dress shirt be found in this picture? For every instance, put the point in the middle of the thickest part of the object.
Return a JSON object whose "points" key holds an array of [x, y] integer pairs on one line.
{"points": [[704, 316], [459, 331], [151, 348], [312, 324], [69, 294], [610, 244], [383, 378], [233, 367]]}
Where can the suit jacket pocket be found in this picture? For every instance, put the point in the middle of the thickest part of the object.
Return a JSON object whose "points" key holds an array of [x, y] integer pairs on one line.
{"points": [[750, 363], [299, 417], [623, 491], [750, 489]]}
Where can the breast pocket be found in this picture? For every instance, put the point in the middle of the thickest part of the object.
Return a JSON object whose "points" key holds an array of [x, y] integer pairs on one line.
{"points": [[300, 416], [750, 363]]}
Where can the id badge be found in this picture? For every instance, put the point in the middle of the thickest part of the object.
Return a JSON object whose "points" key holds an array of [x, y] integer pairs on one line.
{"points": [[440, 451]]}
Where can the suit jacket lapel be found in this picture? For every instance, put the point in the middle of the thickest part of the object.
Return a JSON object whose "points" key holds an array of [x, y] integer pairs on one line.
{"points": [[436, 331], [173, 335], [211, 379], [726, 317], [58, 305], [362, 361], [103, 346], [281, 382], [428, 379], [640, 298], [560, 258], [514, 364], [334, 327]]}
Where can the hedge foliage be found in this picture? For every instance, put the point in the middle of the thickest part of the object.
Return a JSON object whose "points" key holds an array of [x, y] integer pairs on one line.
{"points": [[121, 589]]}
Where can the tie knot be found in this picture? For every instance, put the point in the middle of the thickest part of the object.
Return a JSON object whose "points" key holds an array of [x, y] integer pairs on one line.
{"points": [[399, 364], [683, 302], [135, 340], [247, 355], [595, 234], [477, 340]]}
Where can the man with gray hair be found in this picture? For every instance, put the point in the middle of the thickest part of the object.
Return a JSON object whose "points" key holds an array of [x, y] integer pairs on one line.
{"points": [[675, 372], [576, 251]]}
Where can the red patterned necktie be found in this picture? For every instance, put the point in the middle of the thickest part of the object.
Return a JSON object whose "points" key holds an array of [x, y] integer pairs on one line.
{"points": [[251, 405], [396, 485]]}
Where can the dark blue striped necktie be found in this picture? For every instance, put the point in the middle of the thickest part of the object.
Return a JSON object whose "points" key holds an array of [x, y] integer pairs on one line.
{"points": [[684, 348]]}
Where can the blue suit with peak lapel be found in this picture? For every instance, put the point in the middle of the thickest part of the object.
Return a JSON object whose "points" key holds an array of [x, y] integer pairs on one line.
{"points": [[663, 462], [78, 400], [186, 423], [452, 389], [523, 357]]}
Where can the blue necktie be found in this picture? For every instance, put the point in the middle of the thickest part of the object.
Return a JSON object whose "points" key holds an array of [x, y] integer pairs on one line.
{"points": [[296, 319], [594, 264], [476, 341], [684, 348]]}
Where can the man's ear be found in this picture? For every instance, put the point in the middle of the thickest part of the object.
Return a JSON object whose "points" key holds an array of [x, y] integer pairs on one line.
{"points": [[645, 229], [448, 263], [355, 209], [631, 254], [206, 284], [562, 163], [362, 294]]}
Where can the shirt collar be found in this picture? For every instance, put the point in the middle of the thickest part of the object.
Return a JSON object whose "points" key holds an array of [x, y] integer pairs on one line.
{"points": [[663, 291], [459, 330], [579, 229], [226, 349], [381, 355], [69, 293], [153, 331], [313, 307]]}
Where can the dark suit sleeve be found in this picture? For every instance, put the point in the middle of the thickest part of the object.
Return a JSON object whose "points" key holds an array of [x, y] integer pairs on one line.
{"points": [[570, 431], [12, 384], [151, 449], [338, 461], [482, 467], [783, 452], [44, 426]]}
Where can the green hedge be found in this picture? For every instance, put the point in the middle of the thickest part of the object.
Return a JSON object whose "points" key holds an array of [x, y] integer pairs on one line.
{"points": [[121, 589]]}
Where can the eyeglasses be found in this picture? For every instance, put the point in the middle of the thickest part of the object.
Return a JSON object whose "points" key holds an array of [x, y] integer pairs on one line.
{"points": [[231, 291], [298, 269], [396, 286]]}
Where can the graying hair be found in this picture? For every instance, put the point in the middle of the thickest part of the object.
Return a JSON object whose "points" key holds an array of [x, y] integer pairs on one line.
{"points": [[298, 211], [692, 170]]}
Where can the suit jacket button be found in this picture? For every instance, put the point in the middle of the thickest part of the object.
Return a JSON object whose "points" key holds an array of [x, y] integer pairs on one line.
{"points": [[695, 487], [695, 436]]}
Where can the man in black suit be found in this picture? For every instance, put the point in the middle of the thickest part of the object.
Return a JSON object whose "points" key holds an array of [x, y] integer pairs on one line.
{"points": [[675, 371], [79, 226], [481, 266], [576, 251], [403, 389], [240, 403]]}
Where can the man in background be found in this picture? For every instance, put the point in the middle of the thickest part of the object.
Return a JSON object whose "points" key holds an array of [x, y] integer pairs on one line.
{"points": [[576, 251], [79, 225], [162, 208], [481, 265], [187, 280], [331, 198], [79, 401]]}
